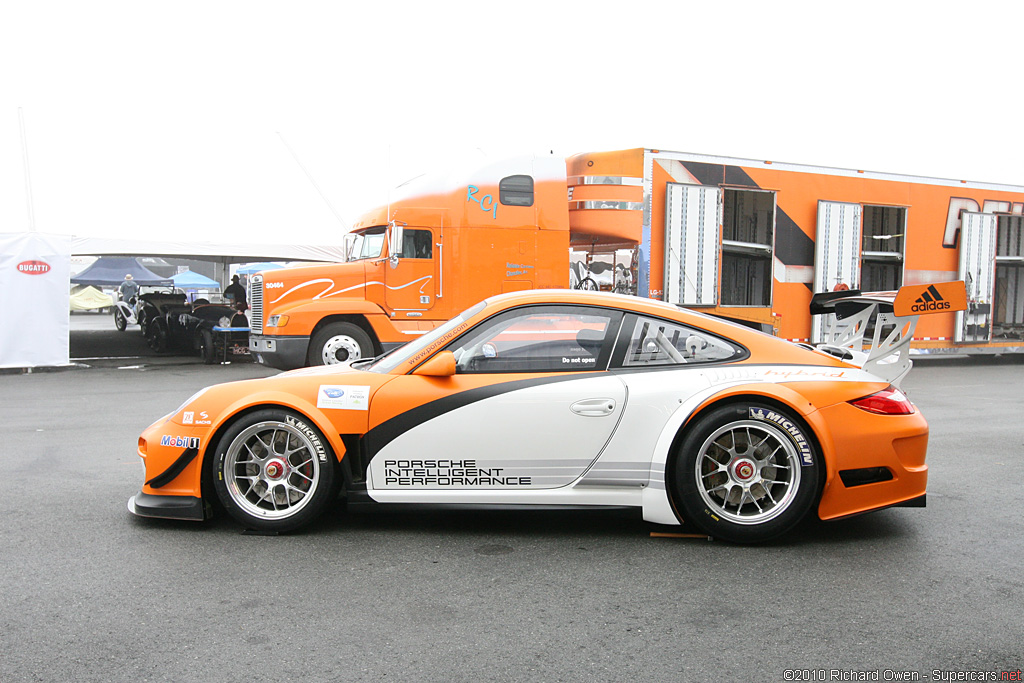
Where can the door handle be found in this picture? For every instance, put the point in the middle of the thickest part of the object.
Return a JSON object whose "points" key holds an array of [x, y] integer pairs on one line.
{"points": [[594, 407]]}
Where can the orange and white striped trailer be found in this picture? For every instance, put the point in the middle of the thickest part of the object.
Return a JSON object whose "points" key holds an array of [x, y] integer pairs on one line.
{"points": [[754, 240]]}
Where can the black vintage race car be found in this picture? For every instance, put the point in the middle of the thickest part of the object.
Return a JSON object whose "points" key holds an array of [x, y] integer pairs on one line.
{"points": [[215, 331]]}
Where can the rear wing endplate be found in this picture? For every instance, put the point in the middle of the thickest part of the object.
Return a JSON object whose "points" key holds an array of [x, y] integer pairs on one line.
{"points": [[885, 319]]}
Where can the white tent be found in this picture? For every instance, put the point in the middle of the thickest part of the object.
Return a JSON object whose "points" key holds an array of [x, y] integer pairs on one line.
{"points": [[35, 273], [238, 252]]}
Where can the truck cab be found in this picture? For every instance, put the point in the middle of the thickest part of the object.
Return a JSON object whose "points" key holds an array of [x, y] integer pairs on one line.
{"points": [[446, 242]]}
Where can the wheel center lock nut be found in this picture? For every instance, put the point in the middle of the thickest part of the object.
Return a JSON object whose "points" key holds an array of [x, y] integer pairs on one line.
{"points": [[744, 470]]}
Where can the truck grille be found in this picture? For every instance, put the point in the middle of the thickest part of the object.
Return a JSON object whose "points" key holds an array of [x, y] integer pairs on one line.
{"points": [[256, 304]]}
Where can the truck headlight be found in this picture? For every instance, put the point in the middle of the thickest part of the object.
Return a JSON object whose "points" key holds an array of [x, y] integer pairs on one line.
{"points": [[276, 321]]}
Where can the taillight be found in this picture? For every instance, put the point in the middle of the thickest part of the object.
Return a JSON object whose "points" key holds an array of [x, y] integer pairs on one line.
{"points": [[888, 401]]}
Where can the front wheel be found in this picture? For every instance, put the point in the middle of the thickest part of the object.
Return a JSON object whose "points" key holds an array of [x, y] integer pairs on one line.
{"points": [[120, 322], [207, 349], [339, 343], [273, 471], [156, 335], [746, 473]]}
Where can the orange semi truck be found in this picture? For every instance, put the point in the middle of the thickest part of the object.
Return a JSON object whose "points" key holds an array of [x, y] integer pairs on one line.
{"points": [[746, 240]]}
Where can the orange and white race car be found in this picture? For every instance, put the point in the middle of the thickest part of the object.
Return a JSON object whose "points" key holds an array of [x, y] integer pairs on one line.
{"points": [[565, 398]]}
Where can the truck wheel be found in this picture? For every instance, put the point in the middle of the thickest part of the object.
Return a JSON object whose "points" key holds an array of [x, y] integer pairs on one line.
{"points": [[273, 471], [339, 343], [746, 473]]}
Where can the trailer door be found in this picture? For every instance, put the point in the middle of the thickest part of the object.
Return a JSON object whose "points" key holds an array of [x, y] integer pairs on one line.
{"points": [[977, 270], [691, 244], [836, 252]]}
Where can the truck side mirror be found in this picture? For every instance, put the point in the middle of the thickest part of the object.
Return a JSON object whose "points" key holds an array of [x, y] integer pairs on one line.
{"points": [[441, 365], [395, 234], [349, 245]]}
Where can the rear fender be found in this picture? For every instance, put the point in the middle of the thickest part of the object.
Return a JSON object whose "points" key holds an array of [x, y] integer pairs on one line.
{"points": [[657, 505]]}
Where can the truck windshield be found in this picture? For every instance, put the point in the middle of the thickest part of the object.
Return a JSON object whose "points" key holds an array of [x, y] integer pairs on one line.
{"points": [[367, 244], [433, 340]]}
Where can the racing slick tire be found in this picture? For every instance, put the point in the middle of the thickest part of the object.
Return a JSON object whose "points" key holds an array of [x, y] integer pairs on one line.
{"points": [[273, 471], [746, 473], [156, 335], [339, 343], [206, 348]]}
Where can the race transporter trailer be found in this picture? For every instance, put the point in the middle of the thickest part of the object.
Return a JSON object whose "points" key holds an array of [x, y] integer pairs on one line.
{"points": [[746, 240]]}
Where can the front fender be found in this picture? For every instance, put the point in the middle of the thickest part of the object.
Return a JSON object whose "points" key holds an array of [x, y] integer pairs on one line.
{"points": [[303, 316]]}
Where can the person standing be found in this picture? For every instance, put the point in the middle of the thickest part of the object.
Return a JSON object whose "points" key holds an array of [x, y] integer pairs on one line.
{"points": [[236, 293], [129, 289]]}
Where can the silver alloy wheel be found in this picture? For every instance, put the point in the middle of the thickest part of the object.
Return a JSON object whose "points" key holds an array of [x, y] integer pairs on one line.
{"points": [[346, 345], [271, 470], [748, 472]]}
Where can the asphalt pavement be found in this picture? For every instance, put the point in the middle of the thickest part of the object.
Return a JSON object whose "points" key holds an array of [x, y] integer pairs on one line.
{"points": [[89, 592]]}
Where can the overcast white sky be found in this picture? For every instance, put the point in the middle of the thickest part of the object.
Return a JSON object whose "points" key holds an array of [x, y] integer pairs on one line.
{"points": [[161, 119]]}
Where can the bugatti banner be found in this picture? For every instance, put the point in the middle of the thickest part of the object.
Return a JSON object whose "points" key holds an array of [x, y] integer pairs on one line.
{"points": [[34, 277]]}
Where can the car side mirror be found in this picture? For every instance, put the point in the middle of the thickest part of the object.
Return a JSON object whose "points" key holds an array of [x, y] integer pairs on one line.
{"points": [[441, 365]]}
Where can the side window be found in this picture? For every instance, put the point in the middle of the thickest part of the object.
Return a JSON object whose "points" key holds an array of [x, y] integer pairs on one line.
{"points": [[539, 339], [417, 244], [516, 190], [658, 342]]}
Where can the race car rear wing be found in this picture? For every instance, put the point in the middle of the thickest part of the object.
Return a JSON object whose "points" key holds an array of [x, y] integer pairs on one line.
{"points": [[885, 321]]}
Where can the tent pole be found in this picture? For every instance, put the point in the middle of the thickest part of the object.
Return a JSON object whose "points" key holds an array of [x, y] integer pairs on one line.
{"points": [[28, 174]]}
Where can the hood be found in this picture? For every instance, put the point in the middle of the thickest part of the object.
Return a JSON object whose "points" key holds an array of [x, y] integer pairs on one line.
{"points": [[314, 283]]}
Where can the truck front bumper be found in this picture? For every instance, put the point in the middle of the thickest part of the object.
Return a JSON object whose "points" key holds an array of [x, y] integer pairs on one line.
{"points": [[283, 353]]}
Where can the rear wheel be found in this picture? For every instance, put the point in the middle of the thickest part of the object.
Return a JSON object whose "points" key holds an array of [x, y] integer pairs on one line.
{"points": [[273, 471], [339, 343], [746, 473]]}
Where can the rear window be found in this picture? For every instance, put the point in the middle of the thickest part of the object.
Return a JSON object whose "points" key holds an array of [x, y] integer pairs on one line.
{"points": [[656, 342]]}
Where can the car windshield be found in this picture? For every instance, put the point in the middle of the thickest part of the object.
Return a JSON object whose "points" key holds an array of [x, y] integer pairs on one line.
{"points": [[367, 244], [430, 339]]}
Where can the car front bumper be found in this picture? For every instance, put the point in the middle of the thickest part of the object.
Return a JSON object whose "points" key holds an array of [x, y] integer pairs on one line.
{"points": [[168, 507]]}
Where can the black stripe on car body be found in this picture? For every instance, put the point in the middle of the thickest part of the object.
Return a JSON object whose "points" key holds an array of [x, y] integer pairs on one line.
{"points": [[176, 468], [384, 433]]}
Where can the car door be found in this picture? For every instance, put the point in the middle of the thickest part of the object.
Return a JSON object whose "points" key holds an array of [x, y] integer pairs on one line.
{"points": [[531, 406]]}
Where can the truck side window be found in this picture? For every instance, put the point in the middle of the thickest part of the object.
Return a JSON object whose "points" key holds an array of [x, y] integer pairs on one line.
{"points": [[417, 244], [516, 190]]}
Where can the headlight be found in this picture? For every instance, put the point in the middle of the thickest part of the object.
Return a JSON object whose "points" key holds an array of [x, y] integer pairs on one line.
{"points": [[224, 321], [276, 321]]}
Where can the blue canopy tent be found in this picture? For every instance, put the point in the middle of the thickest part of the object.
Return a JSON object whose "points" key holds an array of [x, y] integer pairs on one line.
{"points": [[190, 280], [109, 271]]}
